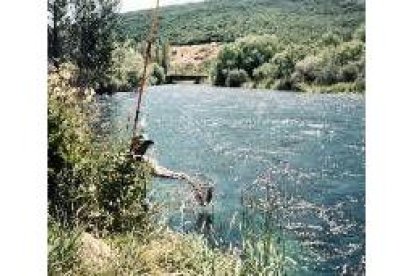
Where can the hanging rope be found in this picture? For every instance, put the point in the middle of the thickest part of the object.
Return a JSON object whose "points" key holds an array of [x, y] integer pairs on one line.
{"points": [[139, 146], [150, 41]]}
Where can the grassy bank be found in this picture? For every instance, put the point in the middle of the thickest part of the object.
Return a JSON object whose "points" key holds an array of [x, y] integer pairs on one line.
{"points": [[160, 252], [99, 222]]}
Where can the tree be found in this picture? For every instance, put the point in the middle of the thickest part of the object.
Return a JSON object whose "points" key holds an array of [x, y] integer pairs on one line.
{"points": [[127, 66], [83, 32], [57, 30], [93, 39], [165, 60], [227, 59]]}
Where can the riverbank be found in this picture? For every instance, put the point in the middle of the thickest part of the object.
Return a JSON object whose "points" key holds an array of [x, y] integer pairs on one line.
{"points": [[99, 221], [330, 64], [339, 88], [353, 88], [157, 252]]}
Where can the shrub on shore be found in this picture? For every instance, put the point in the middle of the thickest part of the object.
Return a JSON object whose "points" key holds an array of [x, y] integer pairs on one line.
{"points": [[236, 78], [102, 188], [331, 63], [72, 252], [127, 66], [158, 75]]}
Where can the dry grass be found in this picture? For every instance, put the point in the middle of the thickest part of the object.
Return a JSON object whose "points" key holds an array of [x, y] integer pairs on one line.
{"points": [[165, 253], [193, 58], [195, 54], [96, 255], [178, 254]]}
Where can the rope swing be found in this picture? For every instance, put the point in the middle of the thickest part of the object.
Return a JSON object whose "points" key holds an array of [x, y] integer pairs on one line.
{"points": [[150, 41], [203, 193], [138, 144]]}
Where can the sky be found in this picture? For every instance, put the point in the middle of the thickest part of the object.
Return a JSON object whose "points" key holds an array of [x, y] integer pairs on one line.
{"points": [[132, 5]]}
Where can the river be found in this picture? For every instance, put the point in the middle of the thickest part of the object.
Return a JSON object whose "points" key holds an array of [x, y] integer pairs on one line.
{"points": [[292, 164]]}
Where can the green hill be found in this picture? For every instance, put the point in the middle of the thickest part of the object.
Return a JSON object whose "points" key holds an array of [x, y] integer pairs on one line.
{"points": [[227, 20]]}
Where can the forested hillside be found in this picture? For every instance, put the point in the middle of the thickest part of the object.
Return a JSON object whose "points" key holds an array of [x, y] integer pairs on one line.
{"points": [[227, 20]]}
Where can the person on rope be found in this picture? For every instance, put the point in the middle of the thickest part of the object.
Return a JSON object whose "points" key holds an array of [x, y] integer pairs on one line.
{"points": [[139, 146]]}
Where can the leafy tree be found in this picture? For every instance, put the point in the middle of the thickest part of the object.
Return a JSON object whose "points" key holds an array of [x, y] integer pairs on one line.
{"points": [[165, 61], [93, 38], [227, 59], [83, 32], [57, 30], [247, 53], [267, 70], [127, 67], [158, 75], [256, 50], [330, 61]]}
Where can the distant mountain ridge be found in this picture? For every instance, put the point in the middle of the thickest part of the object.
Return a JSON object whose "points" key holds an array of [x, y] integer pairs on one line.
{"points": [[227, 20]]}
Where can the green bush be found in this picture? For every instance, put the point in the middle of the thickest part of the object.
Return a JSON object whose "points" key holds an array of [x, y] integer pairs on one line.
{"points": [[227, 59], [347, 52], [307, 69], [344, 63], [284, 63], [245, 54], [265, 71], [255, 51], [121, 193], [236, 78], [349, 72], [269, 63], [127, 67], [327, 74], [69, 145], [157, 75], [100, 188]]}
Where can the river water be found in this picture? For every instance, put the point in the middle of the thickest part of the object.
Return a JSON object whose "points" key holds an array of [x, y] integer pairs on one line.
{"points": [[284, 163]]}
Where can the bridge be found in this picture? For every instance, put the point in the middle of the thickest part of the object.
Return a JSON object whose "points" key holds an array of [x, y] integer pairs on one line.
{"points": [[197, 79]]}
